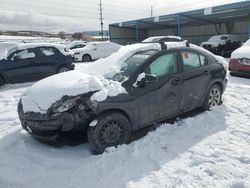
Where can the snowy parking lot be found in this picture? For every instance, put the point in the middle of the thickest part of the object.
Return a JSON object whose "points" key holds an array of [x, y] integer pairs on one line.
{"points": [[211, 149]]}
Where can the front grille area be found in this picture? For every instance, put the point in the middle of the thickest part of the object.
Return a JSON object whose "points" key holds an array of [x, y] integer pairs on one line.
{"points": [[245, 61]]}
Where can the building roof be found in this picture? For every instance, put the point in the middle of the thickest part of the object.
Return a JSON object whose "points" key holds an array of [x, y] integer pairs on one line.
{"points": [[212, 15]]}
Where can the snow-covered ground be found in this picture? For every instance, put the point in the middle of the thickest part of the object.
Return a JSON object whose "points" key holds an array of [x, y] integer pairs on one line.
{"points": [[211, 149], [7, 38]]}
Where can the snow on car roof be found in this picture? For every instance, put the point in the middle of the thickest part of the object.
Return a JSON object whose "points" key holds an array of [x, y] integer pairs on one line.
{"points": [[23, 46]]}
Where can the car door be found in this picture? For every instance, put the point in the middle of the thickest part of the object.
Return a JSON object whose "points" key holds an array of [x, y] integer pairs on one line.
{"points": [[94, 51], [20, 66], [158, 98], [46, 60], [196, 77]]}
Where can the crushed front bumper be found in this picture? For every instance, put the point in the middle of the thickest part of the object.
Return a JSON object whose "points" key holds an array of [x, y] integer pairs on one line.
{"points": [[49, 128]]}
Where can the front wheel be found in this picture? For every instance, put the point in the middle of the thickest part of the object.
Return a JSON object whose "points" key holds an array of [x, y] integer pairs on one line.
{"points": [[213, 97], [86, 58], [112, 129], [62, 69]]}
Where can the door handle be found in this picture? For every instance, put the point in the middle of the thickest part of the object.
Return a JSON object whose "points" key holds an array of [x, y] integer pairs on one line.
{"points": [[176, 81], [205, 73]]}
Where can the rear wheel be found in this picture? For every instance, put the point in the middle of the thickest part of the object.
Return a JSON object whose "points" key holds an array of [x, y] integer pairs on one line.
{"points": [[86, 58], [112, 129], [213, 97], [62, 69]]}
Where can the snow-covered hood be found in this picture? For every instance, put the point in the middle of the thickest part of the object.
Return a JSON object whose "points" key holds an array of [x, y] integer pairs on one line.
{"points": [[44, 93], [242, 52]]}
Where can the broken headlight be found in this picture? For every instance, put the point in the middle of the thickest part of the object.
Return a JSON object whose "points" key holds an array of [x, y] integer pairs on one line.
{"points": [[65, 106]]}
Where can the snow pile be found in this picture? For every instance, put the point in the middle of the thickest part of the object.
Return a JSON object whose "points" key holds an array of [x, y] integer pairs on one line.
{"points": [[44, 93], [139, 78]]}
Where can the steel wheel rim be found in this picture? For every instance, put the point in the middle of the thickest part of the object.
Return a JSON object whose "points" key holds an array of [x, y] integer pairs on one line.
{"points": [[214, 97], [111, 133]]}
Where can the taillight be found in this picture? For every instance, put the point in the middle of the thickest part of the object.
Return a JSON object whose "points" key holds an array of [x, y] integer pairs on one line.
{"points": [[233, 62]]}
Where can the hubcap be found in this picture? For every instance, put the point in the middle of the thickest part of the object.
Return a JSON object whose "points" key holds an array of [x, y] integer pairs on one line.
{"points": [[111, 133], [214, 97]]}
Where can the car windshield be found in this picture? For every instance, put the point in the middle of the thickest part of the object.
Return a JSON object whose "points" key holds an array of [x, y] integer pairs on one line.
{"points": [[247, 43], [131, 65]]}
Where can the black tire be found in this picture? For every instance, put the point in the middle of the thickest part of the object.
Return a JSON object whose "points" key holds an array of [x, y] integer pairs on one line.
{"points": [[112, 129], [213, 97], [62, 68], [1, 81], [86, 58]]}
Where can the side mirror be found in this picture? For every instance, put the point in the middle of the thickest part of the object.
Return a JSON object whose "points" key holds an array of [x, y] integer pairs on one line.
{"points": [[149, 78], [16, 58]]}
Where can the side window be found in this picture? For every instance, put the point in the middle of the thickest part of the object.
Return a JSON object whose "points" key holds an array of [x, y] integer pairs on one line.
{"points": [[163, 65], [203, 60], [47, 51], [24, 54], [190, 60]]}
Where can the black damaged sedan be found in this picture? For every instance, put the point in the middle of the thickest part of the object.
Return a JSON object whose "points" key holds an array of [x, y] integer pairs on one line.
{"points": [[34, 61], [159, 82]]}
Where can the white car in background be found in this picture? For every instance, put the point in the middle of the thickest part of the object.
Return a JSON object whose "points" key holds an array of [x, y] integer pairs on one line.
{"points": [[76, 44], [95, 50], [240, 60]]}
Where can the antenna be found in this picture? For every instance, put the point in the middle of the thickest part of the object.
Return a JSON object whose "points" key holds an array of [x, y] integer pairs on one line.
{"points": [[101, 18]]}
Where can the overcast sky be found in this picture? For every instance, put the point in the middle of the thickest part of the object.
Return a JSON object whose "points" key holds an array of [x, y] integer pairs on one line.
{"points": [[83, 15]]}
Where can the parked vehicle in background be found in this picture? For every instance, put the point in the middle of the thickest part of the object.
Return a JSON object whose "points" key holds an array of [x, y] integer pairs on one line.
{"points": [[29, 62], [139, 85], [162, 38], [95, 50], [76, 44], [240, 60], [222, 45]]}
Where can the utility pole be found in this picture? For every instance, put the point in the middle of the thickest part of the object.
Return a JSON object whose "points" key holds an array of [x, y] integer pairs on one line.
{"points": [[101, 18], [151, 11]]}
